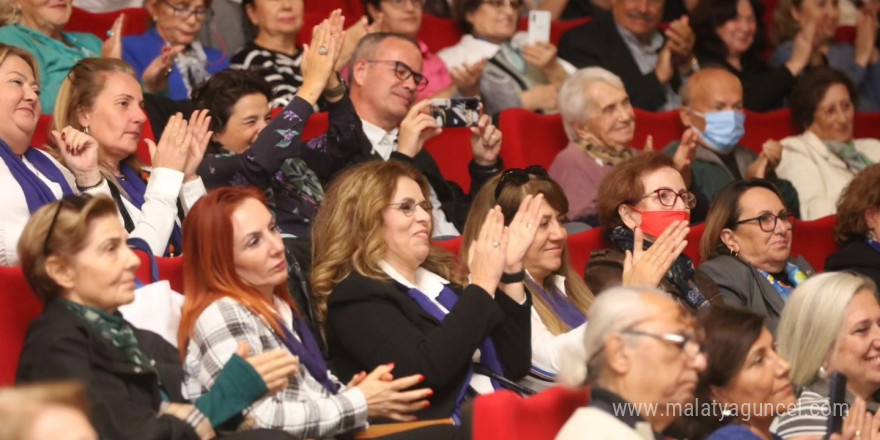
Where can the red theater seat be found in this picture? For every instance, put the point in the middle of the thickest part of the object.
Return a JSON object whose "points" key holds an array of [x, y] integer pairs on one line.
{"points": [[530, 138], [143, 150], [18, 307], [693, 246], [760, 127], [438, 33], [664, 127], [505, 415], [866, 125], [814, 240], [452, 152], [136, 22], [452, 245], [41, 134], [581, 245]]}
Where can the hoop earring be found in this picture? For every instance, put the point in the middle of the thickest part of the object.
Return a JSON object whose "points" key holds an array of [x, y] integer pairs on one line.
{"points": [[86, 129], [823, 373], [733, 253]]}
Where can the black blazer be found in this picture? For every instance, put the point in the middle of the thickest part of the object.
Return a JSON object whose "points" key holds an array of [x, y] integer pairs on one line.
{"points": [[858, 257], [346, 129], [125, 399], [598, 43], [371, 322]]}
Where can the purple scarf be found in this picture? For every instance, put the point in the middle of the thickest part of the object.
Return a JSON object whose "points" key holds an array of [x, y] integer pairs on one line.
{"points": [[561, 306], [36, 192], [136, 188]]}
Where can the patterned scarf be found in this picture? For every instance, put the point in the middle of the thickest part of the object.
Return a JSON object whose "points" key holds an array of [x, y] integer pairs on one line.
{"points": [[795, 277], [681, 274], [193, 66], [606, 155], [847, 152]]}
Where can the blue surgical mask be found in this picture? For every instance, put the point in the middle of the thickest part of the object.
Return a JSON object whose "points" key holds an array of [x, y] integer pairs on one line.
{"points": [[723, 129]]}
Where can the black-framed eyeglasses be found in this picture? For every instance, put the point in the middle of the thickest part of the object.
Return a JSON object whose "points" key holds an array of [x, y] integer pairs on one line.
{"points": [[404, 72], [767, 221], [184, 13], [398, 4], [519, 176], [408, 207], [74, 201], [498, 4], [668, 197], [688, 344]]}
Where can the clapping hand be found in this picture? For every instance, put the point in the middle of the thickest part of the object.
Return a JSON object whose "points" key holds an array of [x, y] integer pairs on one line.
{"points": [[320, 57], [112, 47], [467, 77], [487, 256], [199, 128], [485, 142], [275, 367], [522, 230], [80, 154], [385, 398], [155, 76], [648, 267], [173, 149]]}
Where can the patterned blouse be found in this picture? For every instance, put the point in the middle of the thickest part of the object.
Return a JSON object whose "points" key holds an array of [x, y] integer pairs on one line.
{"points": [[280, 70]]}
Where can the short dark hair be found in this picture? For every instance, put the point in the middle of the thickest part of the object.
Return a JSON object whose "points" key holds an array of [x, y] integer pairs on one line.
{"points": [[376, 3], [221, 92], [461, 8], [861, 194], [724, 212], [709, 15], [623, 185], [809, 90]]}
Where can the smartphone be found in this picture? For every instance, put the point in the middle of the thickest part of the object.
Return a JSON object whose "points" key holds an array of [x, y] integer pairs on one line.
{"points": [[456, 112], [837, 397], [539, 26]]}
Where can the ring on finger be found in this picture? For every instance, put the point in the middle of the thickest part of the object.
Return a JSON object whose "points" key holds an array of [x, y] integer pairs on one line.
{"points": [[495, 244], [529, 226], [322, 50]]}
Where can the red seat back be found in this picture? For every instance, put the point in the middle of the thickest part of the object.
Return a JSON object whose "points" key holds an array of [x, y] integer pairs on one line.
{"points": [[18, 307], [530, 138], [170, 269], [693, 243], [866, 125], [557, 27], [317, 125], [136, 22], [845, 34], [505, 415], [664, 127], [143, 150], [760, 127], [438, 33], [452, 152], [814, 240], [41, 134], [581, 245], [452, 245]]}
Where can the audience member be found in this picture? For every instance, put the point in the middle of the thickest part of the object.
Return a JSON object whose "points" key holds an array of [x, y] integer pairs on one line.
{"points": [[382, 120], [99, 111], [746, 249], [745, 384], [560, 299], [46, 411], [822, 160], [245, 150], [857, 229], [713, 107], [386, 295], [600, 124], [644, 208], [830, 324], [36, 26], [404, 17], [658, 62], [730, 35], [643, 358], [817, 21], [74, 257], [517, 73], [244, 303], [101, 6], [167, 57], [574, 9]]}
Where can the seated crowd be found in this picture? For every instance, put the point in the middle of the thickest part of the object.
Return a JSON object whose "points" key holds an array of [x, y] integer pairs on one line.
{"points": [[319, 295]]}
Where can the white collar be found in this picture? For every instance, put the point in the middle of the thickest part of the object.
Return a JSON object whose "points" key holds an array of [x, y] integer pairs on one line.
{"points": [[376, 134], [557, 280], [427, 282]]}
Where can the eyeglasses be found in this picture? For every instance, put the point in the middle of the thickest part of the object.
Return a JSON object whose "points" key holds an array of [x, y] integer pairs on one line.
{"points": [[498, 4], [184, 13], [77, 202], [767, 221], [400, 4], [519, 176], [408, 207], [404, 72], [668, 197], [688, 344]]}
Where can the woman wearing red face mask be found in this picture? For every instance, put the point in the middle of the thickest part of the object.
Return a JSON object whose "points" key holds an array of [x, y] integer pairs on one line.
{"points": [[644, 211]]}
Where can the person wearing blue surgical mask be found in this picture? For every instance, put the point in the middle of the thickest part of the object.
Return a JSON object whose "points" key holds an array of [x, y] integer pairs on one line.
{"points": [[712, 106]]}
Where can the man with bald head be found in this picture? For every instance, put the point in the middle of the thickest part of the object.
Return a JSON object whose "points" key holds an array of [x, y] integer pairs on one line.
{"points": [[712, 105], [643, 364]]}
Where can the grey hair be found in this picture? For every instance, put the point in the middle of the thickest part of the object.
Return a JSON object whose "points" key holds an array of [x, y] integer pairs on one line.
{"points": [[369, 44], [573, 103], [811, 321], [612, 311]]}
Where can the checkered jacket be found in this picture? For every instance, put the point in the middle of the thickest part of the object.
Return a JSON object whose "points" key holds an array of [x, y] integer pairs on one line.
{"points": [[305, 408]]}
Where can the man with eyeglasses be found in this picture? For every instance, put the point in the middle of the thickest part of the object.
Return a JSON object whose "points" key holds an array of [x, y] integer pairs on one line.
{"points": [[658, 62], [713, 107], [382, 120], [643, 362]]}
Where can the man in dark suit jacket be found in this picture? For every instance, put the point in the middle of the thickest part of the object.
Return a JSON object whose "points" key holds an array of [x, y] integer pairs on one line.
{"points": [[657, 61], [382, 120]]}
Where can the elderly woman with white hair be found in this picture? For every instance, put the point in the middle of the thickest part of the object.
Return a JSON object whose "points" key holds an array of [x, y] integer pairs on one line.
{"points": [[600, 124], [643, 351], [831, 323]]}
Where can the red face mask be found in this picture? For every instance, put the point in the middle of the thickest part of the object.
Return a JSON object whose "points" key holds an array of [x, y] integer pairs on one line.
{"points": [[655, 222]]}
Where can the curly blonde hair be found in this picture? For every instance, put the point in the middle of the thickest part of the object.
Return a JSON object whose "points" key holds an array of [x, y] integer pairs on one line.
{"points": [[348, 233]]}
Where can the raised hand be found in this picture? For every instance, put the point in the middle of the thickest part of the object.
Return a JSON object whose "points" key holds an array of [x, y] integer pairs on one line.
{"points": [[485, 142], [647, 268], [275, 367], [417, 127], [353, 36], [467, 77], [663, 70], [385, 398], [680, 40], [866, 35], [80, 154], [173, 148], [773, 150], [199, 128], [487, 256], [541, 54], [687, 150], [522, 230], [155, 76], [649, 144], [112, 47], [320, 58]]}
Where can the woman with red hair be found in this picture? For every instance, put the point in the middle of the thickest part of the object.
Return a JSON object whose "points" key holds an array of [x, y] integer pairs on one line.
{"points": [[236, 292]]}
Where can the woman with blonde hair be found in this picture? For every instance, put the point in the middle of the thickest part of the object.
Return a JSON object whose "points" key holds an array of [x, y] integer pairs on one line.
{"points": [[560, 298], [100, 106], [830, 324], [385, 294]]}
